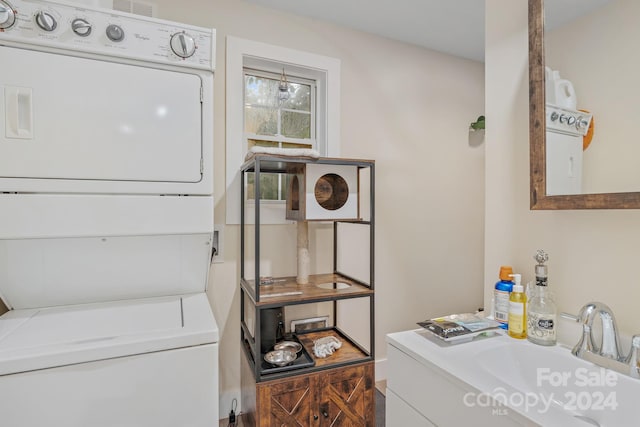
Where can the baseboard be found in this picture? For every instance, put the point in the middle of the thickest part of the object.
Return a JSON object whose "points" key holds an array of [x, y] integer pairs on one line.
{"points": [[381, 369]]}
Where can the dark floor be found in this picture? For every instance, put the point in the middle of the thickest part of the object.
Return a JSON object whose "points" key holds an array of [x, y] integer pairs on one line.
{"points": [[380, 408], [380, 411]]}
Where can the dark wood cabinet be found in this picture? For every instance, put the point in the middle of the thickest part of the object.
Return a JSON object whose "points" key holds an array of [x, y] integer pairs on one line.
{"points": [[340, 397], [347, 396], [289, 402]]}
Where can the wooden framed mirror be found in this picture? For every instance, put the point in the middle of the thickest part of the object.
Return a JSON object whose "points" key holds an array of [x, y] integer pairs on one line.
{"points": [[539, 199]]}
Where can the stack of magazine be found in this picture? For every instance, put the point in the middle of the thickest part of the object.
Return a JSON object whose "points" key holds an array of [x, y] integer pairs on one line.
{"points": [[460, 327]]}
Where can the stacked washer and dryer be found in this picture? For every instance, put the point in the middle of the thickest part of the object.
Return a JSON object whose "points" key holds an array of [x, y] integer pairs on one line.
{"points": [[566, 127], [106, 219]]}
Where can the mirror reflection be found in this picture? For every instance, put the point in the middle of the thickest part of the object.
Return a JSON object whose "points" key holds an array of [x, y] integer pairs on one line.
{"points": [[592, 64]]}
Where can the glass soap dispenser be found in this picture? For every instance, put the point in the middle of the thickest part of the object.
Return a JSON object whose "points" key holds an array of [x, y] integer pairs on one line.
{"points": [[541, 313]]}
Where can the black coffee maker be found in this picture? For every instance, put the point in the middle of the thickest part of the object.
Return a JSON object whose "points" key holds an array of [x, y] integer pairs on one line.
{"points": [[271, 327]]}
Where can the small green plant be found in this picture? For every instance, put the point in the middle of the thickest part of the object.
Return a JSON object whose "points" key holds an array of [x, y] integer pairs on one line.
{"points": [[478, 124]]}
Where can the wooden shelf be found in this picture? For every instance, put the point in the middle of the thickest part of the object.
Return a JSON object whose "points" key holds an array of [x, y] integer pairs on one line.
{"points": [[349, 352], [285, 290]]}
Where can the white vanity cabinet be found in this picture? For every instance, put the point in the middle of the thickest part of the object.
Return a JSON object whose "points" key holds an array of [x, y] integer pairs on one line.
{"points": [[399, 413], [421, 391]]}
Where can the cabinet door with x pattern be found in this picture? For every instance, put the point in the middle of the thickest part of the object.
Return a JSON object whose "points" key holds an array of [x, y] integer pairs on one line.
{"points": [[290, 402], [347, 397]]}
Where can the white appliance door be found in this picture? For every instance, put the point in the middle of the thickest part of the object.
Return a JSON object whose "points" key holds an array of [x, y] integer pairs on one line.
{"points": [[80, 119], [564, 164], [151, 362], [64, 271], [174, 388], [35, 339]]}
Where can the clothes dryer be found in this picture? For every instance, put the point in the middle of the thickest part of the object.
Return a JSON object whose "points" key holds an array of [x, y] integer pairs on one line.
{"points": [[106, 219]]}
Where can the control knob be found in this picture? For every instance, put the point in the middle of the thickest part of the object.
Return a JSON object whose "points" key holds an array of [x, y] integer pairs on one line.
{"points": [[115, 33], [564, 118], [81, 27], [7, 15], [183, 45], [581, 123], [46, 21]]}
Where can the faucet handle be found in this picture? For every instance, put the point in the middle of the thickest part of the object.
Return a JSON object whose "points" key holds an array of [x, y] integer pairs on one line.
{"points": [[610, 343], [635, 348], [634, 357], [586, 344], [570, 316]]}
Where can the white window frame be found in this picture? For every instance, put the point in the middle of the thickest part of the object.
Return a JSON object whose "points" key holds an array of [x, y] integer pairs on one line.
{"points": [[241, 54]]}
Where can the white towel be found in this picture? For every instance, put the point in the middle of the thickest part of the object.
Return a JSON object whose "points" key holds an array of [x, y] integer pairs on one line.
{"points": [[290, 152], [325, 346]]}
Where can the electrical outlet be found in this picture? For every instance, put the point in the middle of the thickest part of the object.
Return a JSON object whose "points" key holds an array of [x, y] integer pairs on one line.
{"points": [[218, 243]]}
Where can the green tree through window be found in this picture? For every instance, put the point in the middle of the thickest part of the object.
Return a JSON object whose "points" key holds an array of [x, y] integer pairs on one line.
{"points": [[269, 122]]}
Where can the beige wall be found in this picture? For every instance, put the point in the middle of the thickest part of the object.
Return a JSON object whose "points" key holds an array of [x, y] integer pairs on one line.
{"points": [[405, 107], [604, 72], [593, 254]]}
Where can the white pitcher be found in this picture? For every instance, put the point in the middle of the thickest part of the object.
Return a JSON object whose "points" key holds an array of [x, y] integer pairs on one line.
{"points": [[550, 79]]}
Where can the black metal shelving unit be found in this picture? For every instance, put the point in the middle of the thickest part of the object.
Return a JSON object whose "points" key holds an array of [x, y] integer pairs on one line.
{"points": [[257, 299]]}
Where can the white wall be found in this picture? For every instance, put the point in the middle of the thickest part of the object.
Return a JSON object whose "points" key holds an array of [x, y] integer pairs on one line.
{"points": [[405, 107], [604, 72], [593, 254]]}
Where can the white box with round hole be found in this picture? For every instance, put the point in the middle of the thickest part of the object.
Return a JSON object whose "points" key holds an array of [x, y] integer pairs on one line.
{"points": [[323, 192]]}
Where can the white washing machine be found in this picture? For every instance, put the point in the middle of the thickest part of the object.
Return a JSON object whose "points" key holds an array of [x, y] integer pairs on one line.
{"points": [[106, 219], [565, 131]]}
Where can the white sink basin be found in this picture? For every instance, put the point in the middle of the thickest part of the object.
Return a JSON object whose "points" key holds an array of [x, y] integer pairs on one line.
{"points": [[551, 377], [545, 386]]}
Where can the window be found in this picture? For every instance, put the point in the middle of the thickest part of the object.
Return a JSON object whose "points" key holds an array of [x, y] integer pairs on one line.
{"points": [[272, 122], [309, 118]]}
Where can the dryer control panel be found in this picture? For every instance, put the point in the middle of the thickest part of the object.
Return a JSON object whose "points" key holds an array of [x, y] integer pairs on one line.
{"points": [[566, 121], [67, 26]]}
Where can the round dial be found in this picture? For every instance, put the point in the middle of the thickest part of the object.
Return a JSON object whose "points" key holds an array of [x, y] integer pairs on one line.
{"points": [[81, 27], [115, 33], [46, 21], [581, 123], [7, 15], [183, 45]]}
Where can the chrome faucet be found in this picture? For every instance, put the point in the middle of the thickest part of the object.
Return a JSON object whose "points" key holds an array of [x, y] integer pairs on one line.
{"points": [[607, 353], [609, 346]]}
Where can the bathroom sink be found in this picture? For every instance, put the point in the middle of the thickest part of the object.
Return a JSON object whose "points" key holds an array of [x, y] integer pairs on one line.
{"points": [[552, 377], [545, 386]]}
